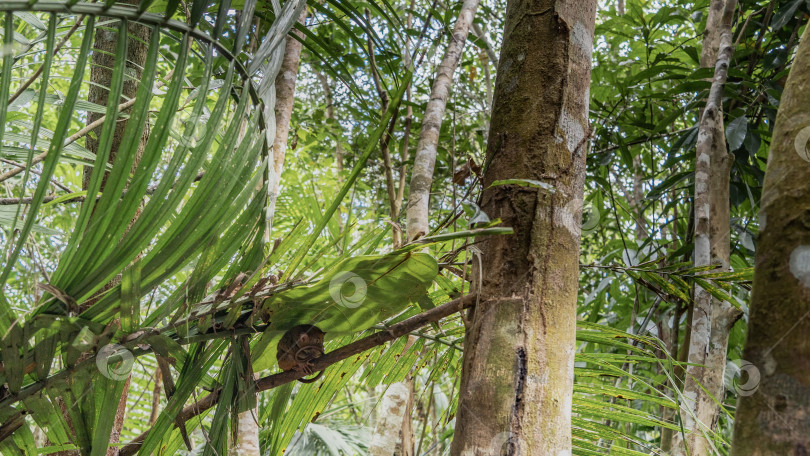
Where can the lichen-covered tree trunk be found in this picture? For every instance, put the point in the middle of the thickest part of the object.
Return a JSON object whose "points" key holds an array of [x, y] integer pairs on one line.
{"points": [[285, 97], [517, 382], [393, 408], [247, 434], [773, 419], [425, 160], [724, 314], [711, 319]]}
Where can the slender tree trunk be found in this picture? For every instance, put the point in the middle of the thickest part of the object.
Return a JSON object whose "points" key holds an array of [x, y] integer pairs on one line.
{"points": [[406, 141], [712, 319], [247, 433], [724, 314], [101, 72], [425, 160], [481, 35], [711, 35], [285, 96], [156, 392], [773, 419], [406, 430], [387, 430], [517, 382], [638, 200], [247, 437], [330, 114]]}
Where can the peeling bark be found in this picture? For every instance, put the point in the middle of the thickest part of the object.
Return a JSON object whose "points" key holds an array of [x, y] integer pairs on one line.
{"points": [[773, 419], [425, 160], [518, 373]]}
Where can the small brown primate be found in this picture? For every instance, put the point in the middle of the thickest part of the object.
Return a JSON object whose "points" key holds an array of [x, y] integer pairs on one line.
{"points": [[298, 348]]}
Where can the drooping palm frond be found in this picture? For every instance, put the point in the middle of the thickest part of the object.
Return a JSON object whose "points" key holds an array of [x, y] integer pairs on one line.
{"points": [[190, 196]]}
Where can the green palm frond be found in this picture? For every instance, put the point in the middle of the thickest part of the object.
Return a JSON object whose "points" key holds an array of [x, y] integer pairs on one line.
{"points": [[191, 194]]}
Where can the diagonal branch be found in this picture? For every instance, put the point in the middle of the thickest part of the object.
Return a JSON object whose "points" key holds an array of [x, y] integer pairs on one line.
{"points": [[273, 381], [79, 134], [39, 70]]}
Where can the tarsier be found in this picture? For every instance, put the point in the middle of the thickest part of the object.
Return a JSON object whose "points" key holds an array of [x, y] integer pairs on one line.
{"points": [[298, 348]]}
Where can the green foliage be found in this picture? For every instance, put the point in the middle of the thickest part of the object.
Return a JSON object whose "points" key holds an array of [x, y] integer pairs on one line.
{"points": [[142, 261], [353, 295]]}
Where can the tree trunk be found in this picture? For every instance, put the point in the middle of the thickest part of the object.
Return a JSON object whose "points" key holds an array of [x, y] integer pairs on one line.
{"points": [[711, 35], [425, 160], [101, 73], [406, 431], [285, 96], [724, 314], [387, 430], [247, 438], [638, 200], [157, 390], [247, 433], [711, 319], [103, 61], [517, 382], [773, 419]]}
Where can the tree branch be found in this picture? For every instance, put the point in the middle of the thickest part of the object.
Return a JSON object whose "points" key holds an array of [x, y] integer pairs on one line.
{"points": [[39, 70], [273, 381], [81, 133], [78, 198]]}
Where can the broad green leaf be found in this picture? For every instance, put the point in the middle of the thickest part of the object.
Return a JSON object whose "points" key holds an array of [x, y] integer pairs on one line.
{"points": [[354, 295]]}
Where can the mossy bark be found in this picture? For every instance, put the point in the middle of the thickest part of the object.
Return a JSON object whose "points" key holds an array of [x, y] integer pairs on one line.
{"points": [[516, 386], [773, 415]]}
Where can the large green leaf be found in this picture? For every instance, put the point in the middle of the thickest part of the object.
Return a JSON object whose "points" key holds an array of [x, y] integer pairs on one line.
{"points": [[354, 295]]}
